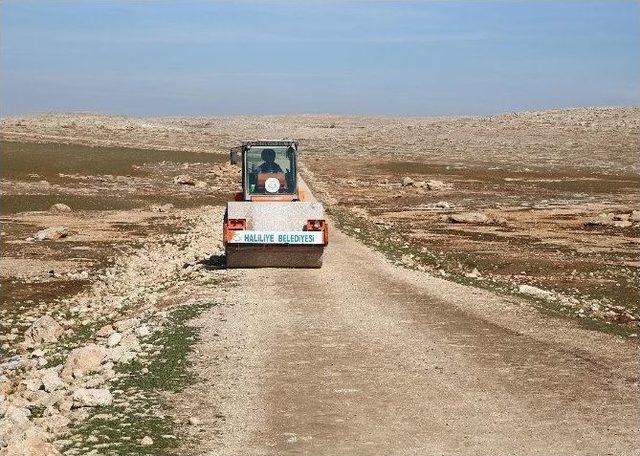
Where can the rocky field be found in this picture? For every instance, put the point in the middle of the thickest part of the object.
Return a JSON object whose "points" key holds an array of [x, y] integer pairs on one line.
{"points": [[111, 227]]}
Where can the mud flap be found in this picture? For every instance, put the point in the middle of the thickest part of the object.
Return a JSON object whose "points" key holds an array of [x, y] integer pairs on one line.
{"points": [[274, 256]]}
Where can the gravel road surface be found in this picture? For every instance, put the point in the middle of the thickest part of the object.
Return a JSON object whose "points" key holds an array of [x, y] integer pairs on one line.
{"points": [[363, 357]]}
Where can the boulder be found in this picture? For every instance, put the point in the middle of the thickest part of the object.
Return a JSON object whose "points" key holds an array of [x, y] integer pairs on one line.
{"points": [[435, 185], [44, 330], [55, 422], [143, 331], [634, 216], [95, 381], [125, 325], [146, 441], [130, 342], [83, 360], [120, 354], [114, 339], [32, 383], [468, 217], [29, 443], [92, 397], [52, 233], [107, 372], [536, 292], [104, 331], [184, 179], [14, 423], [40, 398], [59, 207], [51, 380], [473, 274], [407, 181], [65, 404], [611, 220]]}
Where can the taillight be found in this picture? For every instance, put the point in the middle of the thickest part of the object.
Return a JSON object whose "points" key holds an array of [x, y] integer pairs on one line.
{"points": [[315, 225], [231, 225], [236, 224], [319, 225]]}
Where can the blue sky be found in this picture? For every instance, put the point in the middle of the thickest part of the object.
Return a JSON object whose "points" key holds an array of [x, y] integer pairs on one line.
{"points": [[345, 57]]}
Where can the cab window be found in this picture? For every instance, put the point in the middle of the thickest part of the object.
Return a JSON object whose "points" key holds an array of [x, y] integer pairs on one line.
{"points": [[270, 170]]}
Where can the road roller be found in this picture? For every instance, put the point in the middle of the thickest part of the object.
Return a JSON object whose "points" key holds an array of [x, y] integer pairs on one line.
{"points": [[274, 220]]}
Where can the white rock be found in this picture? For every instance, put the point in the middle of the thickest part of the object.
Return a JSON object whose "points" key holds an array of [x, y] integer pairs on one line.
{"points": [[468, 217], [622, 223], [120, 354], [130, 342], [30, 443], [83, 360], [184, 179], [51, 380], [114, 339], [95, 381], [611, 220], [82, 275], [65, 404], [473, 274], [59, 207], [52, 233], [407, 181], [435, 185], [143, 331], [536, 292], [104, 331], [108, 373], [14, 423], [44, 330], [194, 421], [146, 441], [41, 398], [92, 397], [124, 325], [32, 383], [55, 422]]}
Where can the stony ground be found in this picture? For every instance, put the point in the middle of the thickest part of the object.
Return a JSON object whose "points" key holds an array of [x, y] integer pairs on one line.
{"points": [[108, 254], [540, 199], [113, 347]]}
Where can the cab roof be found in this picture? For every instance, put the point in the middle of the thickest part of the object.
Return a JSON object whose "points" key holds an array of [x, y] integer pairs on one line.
{"points": [[284, 142]]}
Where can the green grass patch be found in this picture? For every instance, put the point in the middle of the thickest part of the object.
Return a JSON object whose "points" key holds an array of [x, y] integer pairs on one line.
{"points": [[139, 407]]}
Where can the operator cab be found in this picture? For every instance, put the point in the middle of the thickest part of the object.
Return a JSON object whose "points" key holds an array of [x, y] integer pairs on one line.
{"points": [[268, 170]]}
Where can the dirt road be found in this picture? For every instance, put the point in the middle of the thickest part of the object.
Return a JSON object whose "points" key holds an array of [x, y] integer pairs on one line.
{"points": [[362, 357]]}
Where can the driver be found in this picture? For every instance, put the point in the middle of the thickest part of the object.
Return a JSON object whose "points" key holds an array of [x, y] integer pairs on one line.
{"points": [[269, 164]]}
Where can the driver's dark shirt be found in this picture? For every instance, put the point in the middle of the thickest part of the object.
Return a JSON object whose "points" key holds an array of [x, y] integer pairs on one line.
{"points": [[267, 167]]}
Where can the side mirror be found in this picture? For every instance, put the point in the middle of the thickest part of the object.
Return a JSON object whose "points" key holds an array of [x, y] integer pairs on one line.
{"points": [[235, 155]]}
